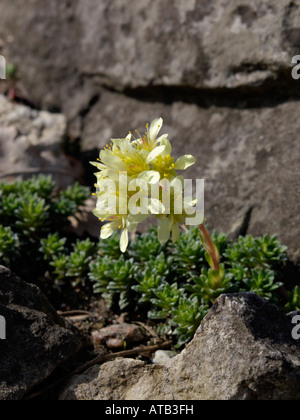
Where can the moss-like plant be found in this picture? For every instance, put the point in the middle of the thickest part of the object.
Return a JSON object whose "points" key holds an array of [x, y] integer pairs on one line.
{"points": [[52, 246], [79, 260], [256, 253], [9, 245], [188, 253], [113, 278], [176, 290], [186, 317], [34, 218], [293, 303], [211, 284]]}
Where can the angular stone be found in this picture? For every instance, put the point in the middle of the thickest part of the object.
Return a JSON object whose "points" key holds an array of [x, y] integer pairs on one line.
{"points": [[243, 350], [116, 336], [37, 339], [163, 356], [31, 143]]}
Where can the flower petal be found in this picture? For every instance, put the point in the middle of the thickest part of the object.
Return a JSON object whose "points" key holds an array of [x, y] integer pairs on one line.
{"points": [[124, 240], [124, 145], [155, 153], [184, 162], [164, 230], [113, 162], [99, 165], [155, 128], [107, 230], [161, 138], [176, 181], [144, 154], [98, 213], [168, 150], [151, 177]]}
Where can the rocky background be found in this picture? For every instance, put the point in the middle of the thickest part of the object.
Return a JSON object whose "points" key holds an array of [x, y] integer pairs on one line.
{"points": [[219, 73]]}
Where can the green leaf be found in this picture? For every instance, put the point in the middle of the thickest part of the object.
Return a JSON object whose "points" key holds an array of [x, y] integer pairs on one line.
{"points": [[262, 282], [293, 300], [187, 317], [9, 246], [52, 246]]}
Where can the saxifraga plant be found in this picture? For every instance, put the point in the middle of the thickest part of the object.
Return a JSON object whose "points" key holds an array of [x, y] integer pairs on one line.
{"points": [[173, 284], [33, 220], [202, 266], [176, 296]]}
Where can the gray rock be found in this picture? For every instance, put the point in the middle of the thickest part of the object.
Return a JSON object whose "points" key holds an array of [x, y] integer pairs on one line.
{"points": [[163, 356], [243, 350], [31, 143], [162, 52], [37, 339], [128, 45]]}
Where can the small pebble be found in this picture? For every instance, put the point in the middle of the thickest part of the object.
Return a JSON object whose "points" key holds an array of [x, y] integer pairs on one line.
{"points": [[116, 336], [163, 356]]}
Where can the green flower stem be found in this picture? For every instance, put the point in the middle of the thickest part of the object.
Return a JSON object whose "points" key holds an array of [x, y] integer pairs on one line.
{"points": [[210, 247]]}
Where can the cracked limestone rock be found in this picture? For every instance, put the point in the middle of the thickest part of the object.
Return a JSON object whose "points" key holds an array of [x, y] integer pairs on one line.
{"points": [[243, 350], [202, 44]]}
